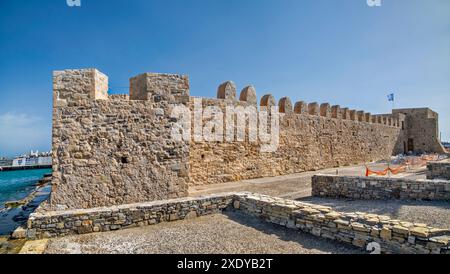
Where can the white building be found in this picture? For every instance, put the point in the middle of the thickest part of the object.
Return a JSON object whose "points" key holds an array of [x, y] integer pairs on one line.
{"points": [[45, 161], [33, 159], [19, 162]]}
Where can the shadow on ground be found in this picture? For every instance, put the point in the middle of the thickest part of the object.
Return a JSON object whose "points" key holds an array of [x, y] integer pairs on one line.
{"points": [[305, 240]]}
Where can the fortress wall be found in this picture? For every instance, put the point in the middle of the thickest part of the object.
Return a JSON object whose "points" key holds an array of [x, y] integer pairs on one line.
{"points": [[422, 130], [118, 149], [310, 139], [111, 150]]}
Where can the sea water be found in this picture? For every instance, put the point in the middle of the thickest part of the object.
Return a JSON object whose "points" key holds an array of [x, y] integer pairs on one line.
{"points": [[17, 185]]}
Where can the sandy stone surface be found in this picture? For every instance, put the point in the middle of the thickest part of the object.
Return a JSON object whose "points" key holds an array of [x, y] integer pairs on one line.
{"points": [[231, 232], [34, 247]]}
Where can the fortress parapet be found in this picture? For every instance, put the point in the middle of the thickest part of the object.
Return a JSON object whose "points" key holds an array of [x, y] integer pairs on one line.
{"points": [[159, 88], [301, 107], [325, 110], [248, 94], [313, 109], [267, 101], [285, 105], [227, 91], [70, 86], [336, 112]]}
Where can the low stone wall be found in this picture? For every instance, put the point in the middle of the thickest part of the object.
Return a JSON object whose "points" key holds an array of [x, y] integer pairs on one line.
{"points": [[376, 188], [438, 170], [358, 229], [63, 223]]}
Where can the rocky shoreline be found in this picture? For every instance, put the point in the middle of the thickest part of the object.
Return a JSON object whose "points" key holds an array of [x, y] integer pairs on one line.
{"points": [[27, 200], [16, 213]]}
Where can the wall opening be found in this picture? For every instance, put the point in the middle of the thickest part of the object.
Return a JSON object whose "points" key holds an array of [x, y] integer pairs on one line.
{"points": [[410, 144]]}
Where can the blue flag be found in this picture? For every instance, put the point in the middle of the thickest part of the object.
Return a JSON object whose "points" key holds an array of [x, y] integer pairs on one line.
{"points": [[391, 97]]}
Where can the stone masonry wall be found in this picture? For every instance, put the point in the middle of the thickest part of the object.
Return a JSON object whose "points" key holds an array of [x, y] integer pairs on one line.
{"points": [[379, 188], [112, 150], [438, 170], [309, 140], [358, 229], [82, 221], [118, 149]]}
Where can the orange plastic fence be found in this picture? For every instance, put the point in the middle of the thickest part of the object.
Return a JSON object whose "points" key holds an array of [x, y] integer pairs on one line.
{"points": [[376, 172], [384, 172], [411, 162], [398, 170]]}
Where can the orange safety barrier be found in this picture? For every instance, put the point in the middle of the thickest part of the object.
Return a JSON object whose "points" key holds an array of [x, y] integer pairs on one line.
{"points": [[384, 172], [411, 162], [375, 172], [398, 170]]}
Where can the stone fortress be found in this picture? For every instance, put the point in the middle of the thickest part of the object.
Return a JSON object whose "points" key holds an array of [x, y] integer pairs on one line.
{"points": [[117, 149], [116, 166]]}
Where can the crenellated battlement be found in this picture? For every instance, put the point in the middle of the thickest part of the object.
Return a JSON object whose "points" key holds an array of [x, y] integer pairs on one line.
{"points": [[91, 84], [76, 85]]}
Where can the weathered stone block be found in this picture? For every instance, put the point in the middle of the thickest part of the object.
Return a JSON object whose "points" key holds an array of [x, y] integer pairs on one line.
{"points": [[248, 94], [285, 105], [301, 107], [72, 86], [227, 91]]}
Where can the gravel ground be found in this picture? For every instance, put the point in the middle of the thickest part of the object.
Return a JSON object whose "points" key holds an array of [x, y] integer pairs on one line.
{"points": [[232, 232], [434, 213]]}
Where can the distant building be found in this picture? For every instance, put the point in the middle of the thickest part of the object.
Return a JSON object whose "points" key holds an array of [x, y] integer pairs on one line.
{"points": [[45, 161], [446, 145], [19, 162], [33, 159], [5, 161]]}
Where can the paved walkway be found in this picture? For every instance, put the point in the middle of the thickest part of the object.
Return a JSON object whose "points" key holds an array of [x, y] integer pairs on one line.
{"points": [[292, 186]]}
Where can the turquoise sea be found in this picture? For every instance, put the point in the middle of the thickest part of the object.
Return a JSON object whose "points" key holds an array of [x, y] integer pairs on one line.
{"points": [[16, 185]]}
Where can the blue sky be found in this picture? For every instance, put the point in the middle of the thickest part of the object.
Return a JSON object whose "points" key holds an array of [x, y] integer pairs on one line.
{"points": [[342, 52]]}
